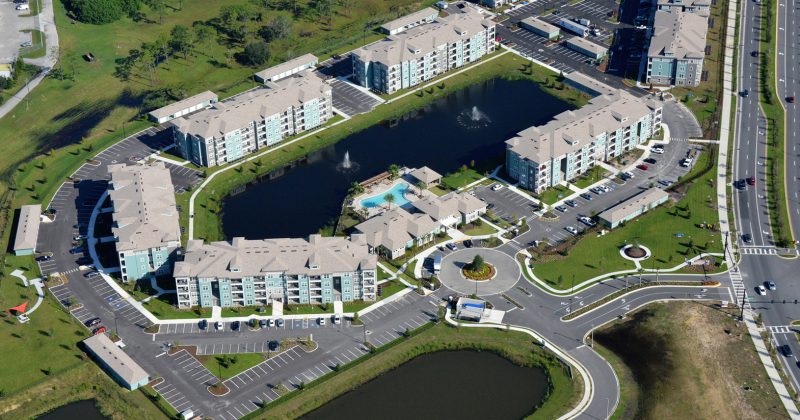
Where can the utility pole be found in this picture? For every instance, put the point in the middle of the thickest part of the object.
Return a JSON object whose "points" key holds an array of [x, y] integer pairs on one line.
{"points": [[744, 298]]}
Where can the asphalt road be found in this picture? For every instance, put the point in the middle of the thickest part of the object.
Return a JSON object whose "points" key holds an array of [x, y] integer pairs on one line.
{"points": [[787, 66]]}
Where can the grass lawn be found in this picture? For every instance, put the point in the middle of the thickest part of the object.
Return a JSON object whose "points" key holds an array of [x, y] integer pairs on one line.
{"points": [[39, 47], [247, 311], [307, 309], [356, 305], [595, 174], [163, 307], [697, 364], [705, 101], [483, 229], [551, 195], [226, 366], [389, 288], [464, 176], [514, 346], [41, 348], [208, 201], [382, 274], [592, 256]]}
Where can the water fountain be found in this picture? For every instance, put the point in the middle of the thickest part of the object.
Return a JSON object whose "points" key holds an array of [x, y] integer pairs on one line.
{"points": [[346, 165], [473, 118]]}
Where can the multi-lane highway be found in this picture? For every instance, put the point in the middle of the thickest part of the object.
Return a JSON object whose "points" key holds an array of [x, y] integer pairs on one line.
{"points": [[786, 73]]}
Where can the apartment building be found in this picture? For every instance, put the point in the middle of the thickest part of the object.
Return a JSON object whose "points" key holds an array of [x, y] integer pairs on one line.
{"points": [[419, 54], [677, 48], [246, 272], [633, 207], [412, 20], [684, 5], [183, 107], [286, 69], [145, 228], [574, 141], [254, 120]]}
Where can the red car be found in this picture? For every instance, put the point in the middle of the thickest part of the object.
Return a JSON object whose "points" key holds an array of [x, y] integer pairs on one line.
{"points": [[751, 180], [643, 167], [99, 330], [790, 99]]}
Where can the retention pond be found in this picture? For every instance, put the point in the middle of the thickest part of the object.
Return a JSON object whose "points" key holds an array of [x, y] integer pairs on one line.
{"points": [[470, 124], [457, 385]]}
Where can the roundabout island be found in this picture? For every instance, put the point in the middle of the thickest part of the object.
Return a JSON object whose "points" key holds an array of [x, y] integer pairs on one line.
{"points": [[499, 273]]}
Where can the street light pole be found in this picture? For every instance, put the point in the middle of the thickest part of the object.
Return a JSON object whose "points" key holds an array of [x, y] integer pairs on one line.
{"points": [[744, 297]]}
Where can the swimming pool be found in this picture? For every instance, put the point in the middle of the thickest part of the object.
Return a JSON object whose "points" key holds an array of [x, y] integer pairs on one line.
{"points": [[398, 191]]}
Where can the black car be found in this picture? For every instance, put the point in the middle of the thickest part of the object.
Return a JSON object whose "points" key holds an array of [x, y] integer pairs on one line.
{"points": [[468, 243], [745, 93], [91, 322], [747, 238], [571, 203], [235, 325], [273, 345], [41, 258], [740, 184], [262, 323], [651, 161], [787, 351], [203, 324], [754, 53], [587, 196]]}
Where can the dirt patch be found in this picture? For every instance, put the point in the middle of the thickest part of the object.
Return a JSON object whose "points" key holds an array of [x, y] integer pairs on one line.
{"points": [[635, 252], [690, 360]]}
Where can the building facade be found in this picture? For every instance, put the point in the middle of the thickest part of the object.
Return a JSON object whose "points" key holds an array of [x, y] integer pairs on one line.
{"points": [[27, 229], [424, 52], [540, 27], [254, 120], [183, 107], [633, 207], [586, 47], [245, 272], [116, 362], [146, 229], [574, 141], [677, 48], [426, 15], [286, 69], [684, 5]]}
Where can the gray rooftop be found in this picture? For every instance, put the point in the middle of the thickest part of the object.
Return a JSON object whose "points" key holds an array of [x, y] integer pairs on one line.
{"points": [[393, 229], [687, 3], [416, 42], [410, 18], [587, 45], [189, 102], [256, 104], [448, 205], [678, 34], [426, 175], [626, 208], [303, 60], [241, 257], [590, 83], [145, 215], [116, 359], [539, 24], [571, 130], [28, 227]]}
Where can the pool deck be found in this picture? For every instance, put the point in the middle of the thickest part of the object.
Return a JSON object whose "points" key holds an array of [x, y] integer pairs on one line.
{"points": [[412, 194]]}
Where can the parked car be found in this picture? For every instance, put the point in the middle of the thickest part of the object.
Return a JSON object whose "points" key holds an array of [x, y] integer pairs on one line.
{"points": [[41, 258], [686, 162], [747, 238], [218, 325], [770, 285], [337, 319], [630, 174], [92, 322], [262, 323], [587, 221], [321, 321], [76, 250], [99, 330], [571, 230], [280, 322], [643, 167], [605, 188], [751, 180], [650, 161], [658, 149], [452, 246], [571, 203], [497, 187], [664, 182], [787, 351], [761, 290], [271, 322], [596, 190], [562, 209], [235, 325], [468, 243], [273, 345], [26, 44], [91, 274]]}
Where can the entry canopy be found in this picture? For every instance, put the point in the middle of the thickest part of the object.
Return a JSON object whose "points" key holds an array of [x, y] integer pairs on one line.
{"points": [[20, 309]]}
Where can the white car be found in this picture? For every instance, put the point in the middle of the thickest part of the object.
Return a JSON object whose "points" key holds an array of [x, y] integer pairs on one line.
{"points": [[605, 188], [761, 290], [571, 230], [686, 162], [322, 321], [497, 187], [587, 221], [271, 322], [218, 325], [657, 150], [337, 319]]}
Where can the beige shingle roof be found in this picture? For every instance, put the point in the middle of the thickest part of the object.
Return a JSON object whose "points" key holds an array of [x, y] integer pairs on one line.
{"points": [[679, 34], [243, 257], [28, 227], [452, 204], [116, 359], [408, 19], [145, 214], [395, 228], [626, 208], [426, 175], [189, 102], [273, 71]]}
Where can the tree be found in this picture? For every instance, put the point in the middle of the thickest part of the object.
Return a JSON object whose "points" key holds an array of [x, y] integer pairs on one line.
{"points": [[203, 33], [324, 8], [278, 28], [97, 12], [356, 188], [5, 83], [477, 263], [159, 7], [421, 186], [393, 170], [181, 40], [389, 198], [256, 53]]}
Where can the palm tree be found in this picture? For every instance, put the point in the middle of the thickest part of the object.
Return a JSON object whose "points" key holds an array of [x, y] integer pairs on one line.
{"points": [[421, 186], [393, 170], [389, 198], [356, 188]]}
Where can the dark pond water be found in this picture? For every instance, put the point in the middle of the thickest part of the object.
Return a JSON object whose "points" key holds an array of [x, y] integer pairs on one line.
{"points": [[84, 410], [444, 385], [471, 124]]}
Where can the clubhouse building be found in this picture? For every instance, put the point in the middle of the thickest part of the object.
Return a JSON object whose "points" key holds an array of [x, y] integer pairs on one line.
{"points": [[425, 51], [145, 229], [246, 272], [254, 120], [574, 141]]}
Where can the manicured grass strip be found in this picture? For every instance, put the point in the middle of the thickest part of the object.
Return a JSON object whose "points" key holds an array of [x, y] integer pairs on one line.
{"points": [[225, 366], [159, 401], [483, 229], [551, 195], [39, 47], [596, 173], [776, 136], [517, 347]]}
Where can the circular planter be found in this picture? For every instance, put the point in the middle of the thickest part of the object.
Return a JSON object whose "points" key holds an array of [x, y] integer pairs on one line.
{"points": [[487, 273], [635, 253]]}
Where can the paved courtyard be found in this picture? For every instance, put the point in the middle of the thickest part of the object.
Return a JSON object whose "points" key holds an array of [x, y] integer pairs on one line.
{"points": [[508, 272]]}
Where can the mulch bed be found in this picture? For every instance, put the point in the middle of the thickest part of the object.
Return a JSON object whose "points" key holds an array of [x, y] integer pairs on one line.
{"points": [[487, 274]]}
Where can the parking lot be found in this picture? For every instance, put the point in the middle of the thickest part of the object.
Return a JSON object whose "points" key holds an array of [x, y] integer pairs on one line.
{"points": [[505, 203], [351, 100], [193, 327], [12, 23], [175, 398]]}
